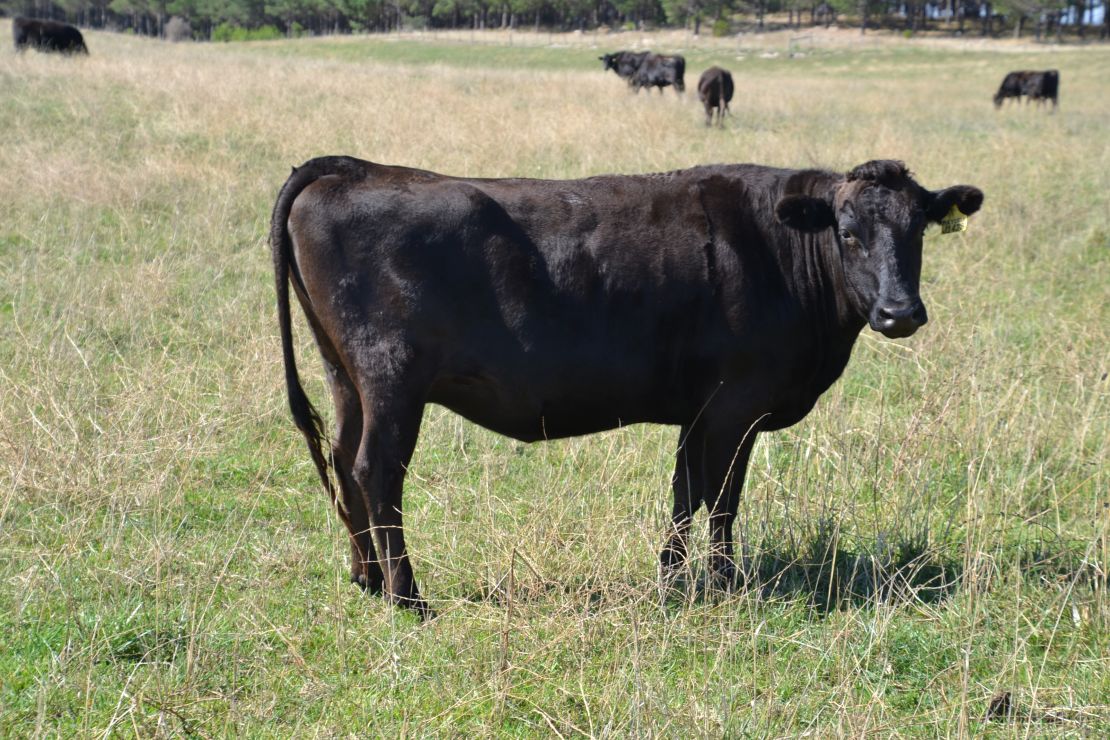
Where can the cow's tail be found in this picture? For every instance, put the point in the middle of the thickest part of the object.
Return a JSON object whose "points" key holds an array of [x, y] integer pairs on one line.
{"points": [[680, 74], [305, 415]]}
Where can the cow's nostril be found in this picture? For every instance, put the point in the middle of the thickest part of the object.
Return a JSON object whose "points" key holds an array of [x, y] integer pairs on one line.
{"points": [[898, 321], [914, 313], [892, 315]]}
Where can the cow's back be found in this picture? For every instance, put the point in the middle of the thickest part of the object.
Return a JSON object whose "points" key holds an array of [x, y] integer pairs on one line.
{"points": [[47, 36]]}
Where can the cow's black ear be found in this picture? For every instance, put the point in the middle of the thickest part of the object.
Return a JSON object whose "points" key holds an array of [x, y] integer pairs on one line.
{"points": [[805, 213], [965, 197]]}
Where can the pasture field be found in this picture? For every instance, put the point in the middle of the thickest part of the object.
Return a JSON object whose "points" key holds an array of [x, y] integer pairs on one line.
{"points": [[934, 536]]}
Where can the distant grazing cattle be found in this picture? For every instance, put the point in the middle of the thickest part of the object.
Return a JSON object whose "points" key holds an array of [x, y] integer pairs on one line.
{"points": [[659, 70], [1034, 85], [715, 92], [724, 299], [47, 36], [624, 63]]}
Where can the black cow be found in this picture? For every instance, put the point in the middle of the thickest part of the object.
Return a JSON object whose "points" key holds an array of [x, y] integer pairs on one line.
{"points": [[658, 70], [715, 91], [724, 299], [47, 36], [624, 63], [1033, 85]]}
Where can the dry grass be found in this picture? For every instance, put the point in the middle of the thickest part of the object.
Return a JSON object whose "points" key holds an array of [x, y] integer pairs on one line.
{"points": [[169, 566]]}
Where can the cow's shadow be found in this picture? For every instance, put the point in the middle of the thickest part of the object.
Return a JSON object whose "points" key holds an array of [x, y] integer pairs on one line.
{"points": [[828, 573], [821, 569]]}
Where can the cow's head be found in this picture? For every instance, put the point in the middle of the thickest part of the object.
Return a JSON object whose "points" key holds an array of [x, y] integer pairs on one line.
{"points": [[608, 61], [878, 215]]}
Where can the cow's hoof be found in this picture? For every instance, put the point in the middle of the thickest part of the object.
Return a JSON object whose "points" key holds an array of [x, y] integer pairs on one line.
{"points": [[722, 579], [731, 576], [416, 605], [675, 583], [371, 586]]}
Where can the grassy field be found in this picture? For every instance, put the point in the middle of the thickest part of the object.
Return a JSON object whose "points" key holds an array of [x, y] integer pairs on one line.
{"points": [[932, 537]]}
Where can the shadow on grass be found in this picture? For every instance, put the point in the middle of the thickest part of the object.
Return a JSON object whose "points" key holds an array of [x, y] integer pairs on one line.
{"points": [[148, 646], [829, 570], [819, 566]]}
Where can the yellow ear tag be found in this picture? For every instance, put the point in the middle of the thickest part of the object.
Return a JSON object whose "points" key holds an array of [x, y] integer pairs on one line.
{"points": [[954, 222]]}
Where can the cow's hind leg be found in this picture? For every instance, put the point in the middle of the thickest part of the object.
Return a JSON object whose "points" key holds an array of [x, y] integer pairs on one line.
{"points": [[365, 569], [390, 424]]}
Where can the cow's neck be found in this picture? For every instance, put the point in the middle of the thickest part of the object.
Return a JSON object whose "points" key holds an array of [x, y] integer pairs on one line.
{"points": [[815, 277]]}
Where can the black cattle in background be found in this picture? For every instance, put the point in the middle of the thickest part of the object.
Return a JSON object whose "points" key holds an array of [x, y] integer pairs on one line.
{"points": [[624, 63], [660, 70], [715, 91], [1033, 85], [47, 36], [722, 299]]}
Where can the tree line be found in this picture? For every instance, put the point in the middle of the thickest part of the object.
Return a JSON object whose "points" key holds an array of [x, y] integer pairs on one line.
{"points": [[218, 19]]}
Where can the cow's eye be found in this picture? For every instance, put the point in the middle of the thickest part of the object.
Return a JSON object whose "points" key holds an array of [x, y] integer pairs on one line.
{"points": [[847, 237]]}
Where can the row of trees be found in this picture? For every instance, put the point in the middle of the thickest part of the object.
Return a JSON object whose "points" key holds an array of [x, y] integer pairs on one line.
{"points": [[1085, 18]]}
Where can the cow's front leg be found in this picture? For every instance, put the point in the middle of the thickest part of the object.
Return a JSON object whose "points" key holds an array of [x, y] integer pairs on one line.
{"points": [[674, 561], [725, 462]]}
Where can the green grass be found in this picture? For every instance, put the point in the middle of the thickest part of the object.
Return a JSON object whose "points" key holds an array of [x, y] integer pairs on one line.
{"points": [[933, 535]]}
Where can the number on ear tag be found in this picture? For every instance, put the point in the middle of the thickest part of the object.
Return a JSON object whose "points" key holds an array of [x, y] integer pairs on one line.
{"points": [[954, 222]]}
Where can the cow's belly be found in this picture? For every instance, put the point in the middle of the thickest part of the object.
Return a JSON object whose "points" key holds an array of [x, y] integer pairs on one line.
{"points": [[532, 409], [536, 412]]}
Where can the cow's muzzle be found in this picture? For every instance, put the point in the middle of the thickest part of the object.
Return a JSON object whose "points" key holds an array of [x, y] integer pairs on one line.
{"points": [[898, 320]]}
